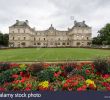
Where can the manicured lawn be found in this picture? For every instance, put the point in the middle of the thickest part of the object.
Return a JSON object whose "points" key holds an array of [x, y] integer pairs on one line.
{"points": [[51, 54]]}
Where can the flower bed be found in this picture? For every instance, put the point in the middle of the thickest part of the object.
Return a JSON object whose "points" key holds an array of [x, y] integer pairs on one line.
{"points": [[57, 77]]}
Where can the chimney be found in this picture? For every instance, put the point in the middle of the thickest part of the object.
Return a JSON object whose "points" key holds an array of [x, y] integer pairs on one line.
{"points": [[26, 21], [17, 21], [83, 22], [75, 22]]}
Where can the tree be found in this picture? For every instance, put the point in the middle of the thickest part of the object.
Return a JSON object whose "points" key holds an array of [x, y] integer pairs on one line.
{"points": [[5, 39], [1, 39], [103, 37]]}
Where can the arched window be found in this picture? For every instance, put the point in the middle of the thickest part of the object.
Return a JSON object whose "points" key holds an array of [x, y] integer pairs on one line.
{"points": [[78, 43]]}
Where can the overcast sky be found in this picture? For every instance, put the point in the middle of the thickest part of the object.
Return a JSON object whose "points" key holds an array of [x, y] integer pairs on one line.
{"points": [[42, 13]]}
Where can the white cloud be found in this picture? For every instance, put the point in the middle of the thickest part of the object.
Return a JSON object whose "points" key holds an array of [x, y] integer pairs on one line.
{"points": [[41, 13]]}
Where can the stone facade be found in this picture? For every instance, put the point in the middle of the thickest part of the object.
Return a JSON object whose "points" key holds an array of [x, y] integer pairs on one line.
{"points": [[22, 35]]}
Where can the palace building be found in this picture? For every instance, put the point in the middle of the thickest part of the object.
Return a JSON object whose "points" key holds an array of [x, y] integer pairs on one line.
{"points": [[22, 35]]}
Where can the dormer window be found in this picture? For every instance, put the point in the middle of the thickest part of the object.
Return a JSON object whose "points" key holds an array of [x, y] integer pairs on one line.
{"points": [[18, 30]]}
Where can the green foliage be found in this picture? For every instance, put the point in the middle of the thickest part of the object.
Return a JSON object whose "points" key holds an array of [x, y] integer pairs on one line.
{"points": [[6, 76], [83, 71], [103, 37], [35, 68], [102, 65], [68, 69], [48, 74], [4, 66], [4, 38]]}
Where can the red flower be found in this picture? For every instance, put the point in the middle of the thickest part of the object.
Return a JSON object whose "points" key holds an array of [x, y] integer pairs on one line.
{"points": [[65, 85], [87, 71], [106, 76], [81, 89], [21, 74], [27, 89], [91, 86], [108, 88], [15, 76], [62, 67], [29, 85], [57, 74], [105, 84], [70, 89], [64, 74], [23, 80], [75, 83], [84, 86]]}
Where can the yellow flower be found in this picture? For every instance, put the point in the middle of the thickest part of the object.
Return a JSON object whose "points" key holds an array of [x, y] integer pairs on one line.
{"points": [[44, 84], [22, 66], [88, 82]]}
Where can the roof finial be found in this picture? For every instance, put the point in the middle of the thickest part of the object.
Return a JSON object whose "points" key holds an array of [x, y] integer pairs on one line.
{"points": [[51, 25]]}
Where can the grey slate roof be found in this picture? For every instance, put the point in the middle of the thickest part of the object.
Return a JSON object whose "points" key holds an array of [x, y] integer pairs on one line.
{"points": [[80, 24], [20, 23]]}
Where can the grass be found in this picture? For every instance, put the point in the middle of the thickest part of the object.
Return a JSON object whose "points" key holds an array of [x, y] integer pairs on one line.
{"points": [[51, 54]]}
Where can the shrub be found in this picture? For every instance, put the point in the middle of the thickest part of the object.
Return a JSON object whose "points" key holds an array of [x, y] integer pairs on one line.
{"points": [[6, 76], [48, 74], [35, 68], [4, 66], [102, 66]]}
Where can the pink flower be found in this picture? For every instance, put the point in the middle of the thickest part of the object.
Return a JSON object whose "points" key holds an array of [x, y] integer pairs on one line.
{"points": [[106, 76], [80, 89], [2, 89]]}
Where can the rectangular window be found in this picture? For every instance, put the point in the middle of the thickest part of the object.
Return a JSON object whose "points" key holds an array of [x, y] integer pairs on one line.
{"points": [[63, 43], [18, 30], [24, 38], [24, 30], [38, 43], [18, 37], [67, 43], [58, 43]]}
